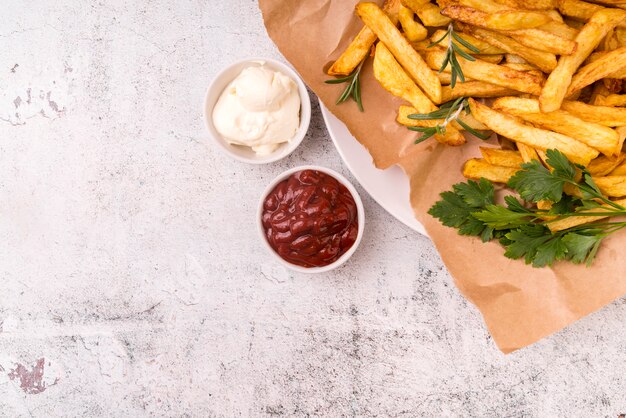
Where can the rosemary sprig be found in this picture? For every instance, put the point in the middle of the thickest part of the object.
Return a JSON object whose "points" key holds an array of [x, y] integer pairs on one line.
{"points": [[448, 112], [452, 49], [353, 89]]}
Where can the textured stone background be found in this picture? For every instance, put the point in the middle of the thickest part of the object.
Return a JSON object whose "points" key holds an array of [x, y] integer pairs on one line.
{"points": [[132, 282]]}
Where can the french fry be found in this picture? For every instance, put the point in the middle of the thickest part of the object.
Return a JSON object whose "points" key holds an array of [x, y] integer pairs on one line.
{"points": [[597, 136], [573, 221], [603, 115], [491, 73], [599, 55], [446, 78], [603, 166], [612, 186], [395, 80], [483, 46], [530, 4], [540, 139], [527, 153], [514, 59], [560, 29], [524, 67], [492, 59], [610, 63], [477, 168], [544, 41], [430, 15], [580, 10], [501, 157], [544, 60], [474, 89], [410, 60], [414, 5], [555, 89], [504, 20], [412, 29], [556, 26], [360, 46], [468, 119], [613, 100]]}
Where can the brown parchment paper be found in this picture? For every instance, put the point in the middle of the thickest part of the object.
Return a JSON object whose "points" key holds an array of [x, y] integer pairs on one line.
{"points": [[520, 304]]}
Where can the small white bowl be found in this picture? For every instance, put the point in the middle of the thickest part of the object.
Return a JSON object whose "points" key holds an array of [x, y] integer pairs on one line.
{"points": [[246, 154], [360, 217]]}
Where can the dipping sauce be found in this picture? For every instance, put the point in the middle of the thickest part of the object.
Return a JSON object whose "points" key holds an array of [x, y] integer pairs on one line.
{"points": [[260, 109], [310, 219]]}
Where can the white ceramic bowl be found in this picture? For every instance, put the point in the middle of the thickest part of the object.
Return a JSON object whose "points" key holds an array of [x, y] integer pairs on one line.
{"points": [[360, 216], [246, 154]]}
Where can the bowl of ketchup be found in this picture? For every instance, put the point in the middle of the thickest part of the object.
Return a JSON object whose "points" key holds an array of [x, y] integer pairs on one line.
{"points": [[311, 219]]}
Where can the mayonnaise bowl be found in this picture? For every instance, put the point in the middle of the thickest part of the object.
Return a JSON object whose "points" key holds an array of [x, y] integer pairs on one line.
{"points": [[244, 153]]}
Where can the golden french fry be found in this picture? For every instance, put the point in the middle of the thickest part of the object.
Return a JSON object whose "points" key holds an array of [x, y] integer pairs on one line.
{"points": [[474, 89], [544, 41], [603, 166], [597, 136], [360, 46], [610, 63], [430, 15], [603, 115], [530, 4], [482, 46], [412, 29], [514, 59], [477, 168], [581, 10], [613, 100], [560, 29], [599, 55], [486, 6], [544, 60], [468, 119], [492, 59], [501, 157], [414, 4], [446, 78], [491, 73], [524, 67], [573, 221], [504, 20], [527, 153], [397, 82], [540, 139], [408, 57], [612, 186], [555, 89]]}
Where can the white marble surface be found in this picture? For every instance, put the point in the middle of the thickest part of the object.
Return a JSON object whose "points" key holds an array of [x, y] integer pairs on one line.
{"points": [[132, 282]]}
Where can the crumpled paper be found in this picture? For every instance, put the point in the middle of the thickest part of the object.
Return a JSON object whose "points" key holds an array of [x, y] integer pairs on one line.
{"points": [[520, 304]]}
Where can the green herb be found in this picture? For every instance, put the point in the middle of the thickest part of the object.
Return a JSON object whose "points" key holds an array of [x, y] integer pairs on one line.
{"points": [[452, 49], [449, 112], [353, 89], [523, 230]]}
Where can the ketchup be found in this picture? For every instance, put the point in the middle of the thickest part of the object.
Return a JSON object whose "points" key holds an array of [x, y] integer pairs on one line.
{"points": [[310, 219]]}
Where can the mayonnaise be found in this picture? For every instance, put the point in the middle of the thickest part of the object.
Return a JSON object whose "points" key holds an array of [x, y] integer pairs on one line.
{"points": [[260, 109]]}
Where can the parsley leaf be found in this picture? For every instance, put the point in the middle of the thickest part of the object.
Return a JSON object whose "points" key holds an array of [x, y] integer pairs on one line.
{"points": [[582, 248], [456, 207]]}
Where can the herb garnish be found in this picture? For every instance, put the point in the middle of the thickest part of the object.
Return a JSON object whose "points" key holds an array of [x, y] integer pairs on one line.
{"points": [[451, 50], [524, 231], [353, 89], [449, 112]]}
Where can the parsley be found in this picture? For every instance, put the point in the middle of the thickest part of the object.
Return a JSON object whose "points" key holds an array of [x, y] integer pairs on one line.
{"points": [[522, 228]]}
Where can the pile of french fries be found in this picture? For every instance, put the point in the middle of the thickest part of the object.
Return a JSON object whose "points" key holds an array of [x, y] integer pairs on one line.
{"points": [[550, 74]]}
